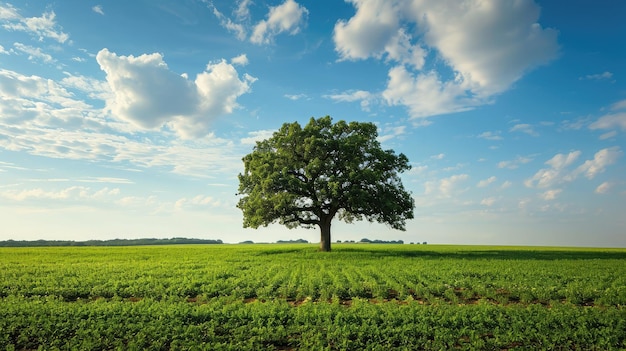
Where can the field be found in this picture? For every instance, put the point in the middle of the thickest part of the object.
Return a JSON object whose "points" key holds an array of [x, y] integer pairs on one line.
{"points": [[291, 297]]}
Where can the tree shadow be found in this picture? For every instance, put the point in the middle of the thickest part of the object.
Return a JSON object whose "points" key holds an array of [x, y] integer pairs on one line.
{"points": [[495, 254]]}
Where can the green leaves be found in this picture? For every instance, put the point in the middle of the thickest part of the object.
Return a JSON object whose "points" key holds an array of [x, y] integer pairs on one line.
{"points": [[304, 176]]}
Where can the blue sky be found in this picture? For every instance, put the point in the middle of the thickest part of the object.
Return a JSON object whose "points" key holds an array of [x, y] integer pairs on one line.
{"points": [[130, 119]]}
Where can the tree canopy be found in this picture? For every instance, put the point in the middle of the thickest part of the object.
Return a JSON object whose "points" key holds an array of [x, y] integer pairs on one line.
{"points": [[306, 176]]}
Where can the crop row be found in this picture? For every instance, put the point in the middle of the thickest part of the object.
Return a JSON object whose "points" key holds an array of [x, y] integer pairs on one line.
{"points": [[163, 325], [301, 274]]}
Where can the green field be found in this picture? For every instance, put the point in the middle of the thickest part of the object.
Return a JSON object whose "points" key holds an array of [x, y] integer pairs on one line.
{"points": [[291, 297]]}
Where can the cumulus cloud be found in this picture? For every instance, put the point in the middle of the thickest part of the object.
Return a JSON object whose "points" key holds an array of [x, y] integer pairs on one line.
{"points": [[488, 45], [285, 18], [375, 31], [149, 95], [240, 60], [559, 171], [44, 27]]}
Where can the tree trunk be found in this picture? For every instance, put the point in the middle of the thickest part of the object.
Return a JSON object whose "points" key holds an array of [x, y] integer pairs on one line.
{"points": [[325, 234]]}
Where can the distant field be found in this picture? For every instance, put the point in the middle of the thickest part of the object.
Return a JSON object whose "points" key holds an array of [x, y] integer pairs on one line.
{"points": [[291, 297]]}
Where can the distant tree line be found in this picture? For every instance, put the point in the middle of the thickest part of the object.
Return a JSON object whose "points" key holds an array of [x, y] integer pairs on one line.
{"points": [[375, 241], [113, 242], [297, 241]]}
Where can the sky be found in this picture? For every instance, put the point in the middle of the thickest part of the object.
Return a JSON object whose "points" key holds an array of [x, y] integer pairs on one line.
{"points": [[129, 119]]}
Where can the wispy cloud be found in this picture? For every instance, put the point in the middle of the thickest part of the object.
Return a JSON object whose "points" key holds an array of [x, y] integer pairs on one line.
{"points": [[524, 128], [486, 182], [44, 27], [490, 135], [98, 9], [600, 76], [295, 97], [34, 53], [515, 163]]}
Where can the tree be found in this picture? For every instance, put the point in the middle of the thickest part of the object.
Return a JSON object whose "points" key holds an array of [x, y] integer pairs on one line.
{"points": [[306, 176]]}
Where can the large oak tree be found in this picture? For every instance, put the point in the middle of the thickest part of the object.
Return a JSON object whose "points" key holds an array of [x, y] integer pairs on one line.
{"points": [[306, 176]]}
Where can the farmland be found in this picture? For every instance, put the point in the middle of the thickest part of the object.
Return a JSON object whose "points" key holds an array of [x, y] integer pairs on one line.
{"points": [[291, 297]]}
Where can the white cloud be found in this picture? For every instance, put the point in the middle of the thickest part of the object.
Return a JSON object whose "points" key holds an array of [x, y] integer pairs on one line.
{"points": [[240, 60], [599, 76], [620, 105], [287, 17], [98, 9], [488, 201], [616, 119], [608, 135], [507, 184], [560, 161], [558, 172], [375, 31], [41, 117], [71, 193], [197, 201], [446, 187], [42, 27], [514, 164], [257, 136], [438, 156], [547, 177], [389, 133], [365, 97], [237, 28], [610, 121], [490, 135], [243, 10], [149, 95], [550, 194], [425, 94], [34, 53], [487, 44], [486, 182], [600, 161], [603, 188], [295, 97], [3, 51], [524, 128]]}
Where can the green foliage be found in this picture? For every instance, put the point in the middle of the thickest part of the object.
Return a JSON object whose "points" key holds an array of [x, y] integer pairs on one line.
{"points": [[286, 296], [306, 176]]}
